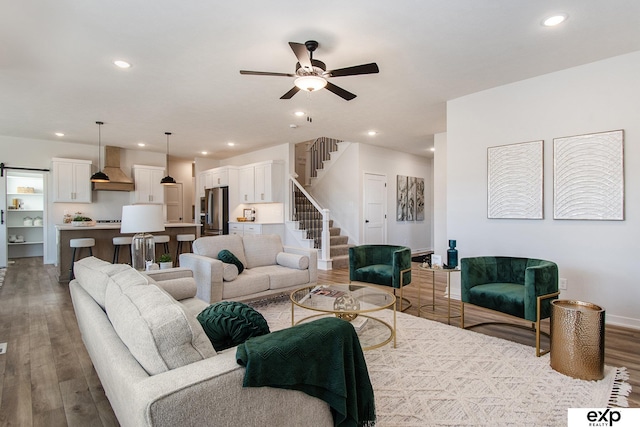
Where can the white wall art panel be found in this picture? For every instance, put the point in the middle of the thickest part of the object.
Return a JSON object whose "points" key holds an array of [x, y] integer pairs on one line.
{"points": [[515, 181], [588, 176]]}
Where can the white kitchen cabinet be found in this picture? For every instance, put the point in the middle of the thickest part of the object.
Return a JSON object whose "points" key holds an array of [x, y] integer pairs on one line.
{"points": [[247, 228], [220, 177], [71, 180], [268, 178], [203, 178], [246, 184], [261, 182], [148, 189]]}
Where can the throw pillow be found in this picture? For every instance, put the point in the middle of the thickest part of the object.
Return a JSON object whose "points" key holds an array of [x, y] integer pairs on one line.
{"points": [[229, 323], [228, 257], [299, 262], [229, 272]]}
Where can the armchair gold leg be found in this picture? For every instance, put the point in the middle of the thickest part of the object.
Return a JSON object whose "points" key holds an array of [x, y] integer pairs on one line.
{"points": [[402, 299], [537, 324]]}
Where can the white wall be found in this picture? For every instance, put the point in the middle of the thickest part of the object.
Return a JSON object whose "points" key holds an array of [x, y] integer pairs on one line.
{"points": [[341, 191], [599, 258], [374, 159], [439, 229]]}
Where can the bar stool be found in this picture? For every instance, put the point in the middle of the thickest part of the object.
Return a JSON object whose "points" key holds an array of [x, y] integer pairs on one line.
{"points": [[121, 241], [184, 238], [79, 243], [163, 240]]}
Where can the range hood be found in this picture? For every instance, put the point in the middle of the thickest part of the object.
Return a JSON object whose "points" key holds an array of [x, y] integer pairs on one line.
{"points": [[118, 180]]}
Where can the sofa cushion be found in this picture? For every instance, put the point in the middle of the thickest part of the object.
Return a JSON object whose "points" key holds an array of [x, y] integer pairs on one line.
{"points": [[93, 275], [261, 249], [210, 246], [249, 282], [229, 323], [154, 326], [283, 277], [299, 262], [229, 272], [228, 257]]}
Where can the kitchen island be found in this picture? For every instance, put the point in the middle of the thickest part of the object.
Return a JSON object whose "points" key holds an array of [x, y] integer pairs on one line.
{"points": [[104, 234]]}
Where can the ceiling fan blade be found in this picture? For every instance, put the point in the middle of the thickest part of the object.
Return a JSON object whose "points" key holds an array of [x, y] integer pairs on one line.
{"points": [[344, 94], [265, 73], [302, 54], [371, 68], [290, 94]]}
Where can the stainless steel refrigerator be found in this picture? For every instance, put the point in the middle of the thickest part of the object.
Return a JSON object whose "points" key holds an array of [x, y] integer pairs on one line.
{"points": [[216, 213]]}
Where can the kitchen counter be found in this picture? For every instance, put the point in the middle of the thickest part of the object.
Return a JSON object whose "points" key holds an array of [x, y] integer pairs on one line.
{"points": [[104, 233], [116, 226]]}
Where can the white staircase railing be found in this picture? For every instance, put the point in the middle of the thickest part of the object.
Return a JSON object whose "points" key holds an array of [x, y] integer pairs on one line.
{"points": [[306, 210]]}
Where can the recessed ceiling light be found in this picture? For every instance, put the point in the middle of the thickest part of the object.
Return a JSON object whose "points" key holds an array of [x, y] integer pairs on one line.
{"points": [[231, 144], [432, 148], [59, 134], [121, 64], [372, 133], [299, 113], [141, 144], [554, 20], [204, 152]]}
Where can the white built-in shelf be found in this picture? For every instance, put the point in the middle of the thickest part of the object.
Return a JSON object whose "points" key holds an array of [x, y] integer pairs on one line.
{"points": [[25, 243], [24, 226]]}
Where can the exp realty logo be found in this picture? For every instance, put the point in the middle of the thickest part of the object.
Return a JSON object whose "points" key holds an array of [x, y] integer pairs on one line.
{"points": [[603, 417]]}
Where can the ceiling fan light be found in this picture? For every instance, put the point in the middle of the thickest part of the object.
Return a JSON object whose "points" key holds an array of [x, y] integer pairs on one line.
{"points": [[310, 83]]}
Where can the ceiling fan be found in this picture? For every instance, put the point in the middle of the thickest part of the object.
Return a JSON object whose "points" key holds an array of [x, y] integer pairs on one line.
{"points": [[312, 75]]}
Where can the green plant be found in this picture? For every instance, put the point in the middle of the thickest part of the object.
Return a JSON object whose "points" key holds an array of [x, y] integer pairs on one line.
{"points": [[82, 218], [164, 258]]}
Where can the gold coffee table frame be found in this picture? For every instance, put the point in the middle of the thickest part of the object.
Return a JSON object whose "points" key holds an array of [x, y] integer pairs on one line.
{"points": [[433, 304], [302, 297]]}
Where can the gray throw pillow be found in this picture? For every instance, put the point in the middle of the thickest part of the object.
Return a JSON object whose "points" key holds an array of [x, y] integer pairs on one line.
{"points": [[228, 257]]}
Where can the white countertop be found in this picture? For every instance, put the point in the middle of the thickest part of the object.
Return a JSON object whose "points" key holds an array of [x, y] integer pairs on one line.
{"points": [[116, 226], [255, 222]]}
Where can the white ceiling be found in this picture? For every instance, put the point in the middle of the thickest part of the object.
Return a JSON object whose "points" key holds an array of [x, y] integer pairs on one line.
{"points": [[56, 71]]}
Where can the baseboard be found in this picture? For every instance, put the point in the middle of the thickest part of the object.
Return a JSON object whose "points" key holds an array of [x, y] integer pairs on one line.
{"points": [[625, 322]]}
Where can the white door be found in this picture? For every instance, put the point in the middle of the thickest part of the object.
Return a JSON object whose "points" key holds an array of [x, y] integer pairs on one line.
{"points": [[375, 209], [3, 220], [173, 199]]}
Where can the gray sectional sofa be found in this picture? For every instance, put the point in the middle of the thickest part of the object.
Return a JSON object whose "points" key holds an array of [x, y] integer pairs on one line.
{"points": [[270, 268], [157, 366]]}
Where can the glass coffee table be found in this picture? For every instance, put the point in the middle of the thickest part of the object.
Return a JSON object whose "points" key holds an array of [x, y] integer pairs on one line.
{"points": [[355, 303]]}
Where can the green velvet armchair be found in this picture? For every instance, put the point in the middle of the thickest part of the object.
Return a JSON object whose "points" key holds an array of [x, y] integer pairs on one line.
{"points": [[386, 265], [520, 287]]}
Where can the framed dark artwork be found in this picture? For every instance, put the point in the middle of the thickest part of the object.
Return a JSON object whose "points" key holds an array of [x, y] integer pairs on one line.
{"points": [[409, 198]]}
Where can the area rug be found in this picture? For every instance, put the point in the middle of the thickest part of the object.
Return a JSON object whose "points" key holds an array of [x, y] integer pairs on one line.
{"points": [[441, 375], [3, 271]]}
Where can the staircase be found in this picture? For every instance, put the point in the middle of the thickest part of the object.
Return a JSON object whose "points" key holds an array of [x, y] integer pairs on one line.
{"points": [[309, 224], [338, 248], [307, 216]]}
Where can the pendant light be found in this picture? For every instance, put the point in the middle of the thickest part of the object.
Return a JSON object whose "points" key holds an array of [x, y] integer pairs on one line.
{"points": [[168, 180], [99, 176]]}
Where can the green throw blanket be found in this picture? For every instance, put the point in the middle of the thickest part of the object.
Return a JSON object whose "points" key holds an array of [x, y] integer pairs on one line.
{"points": [[322, 358]]}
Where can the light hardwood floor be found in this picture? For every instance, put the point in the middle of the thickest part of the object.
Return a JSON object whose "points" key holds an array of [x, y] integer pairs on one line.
{"points": [[47, 378]]}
